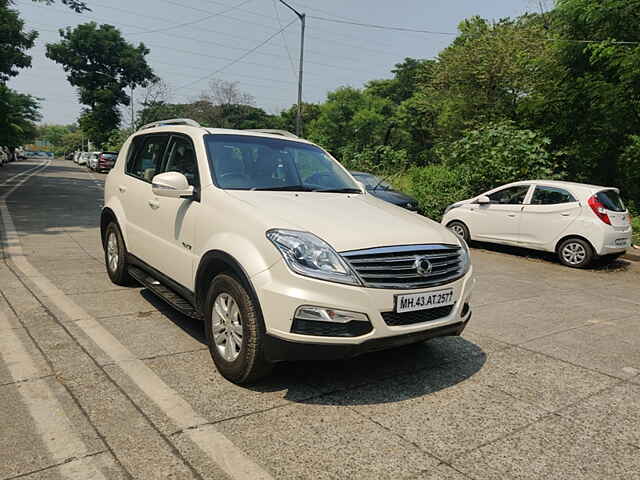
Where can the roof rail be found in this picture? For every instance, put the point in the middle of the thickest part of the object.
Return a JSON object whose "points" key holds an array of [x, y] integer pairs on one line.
{"points": [[283, 133], [171, 121]]}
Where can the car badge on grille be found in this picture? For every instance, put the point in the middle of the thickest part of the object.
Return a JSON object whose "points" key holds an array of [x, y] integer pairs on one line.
{"points": [[423, 266]]}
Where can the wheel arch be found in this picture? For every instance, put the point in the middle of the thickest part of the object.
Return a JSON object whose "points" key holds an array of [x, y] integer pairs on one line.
{"points": [[106, 217], [573, 235], [213, 263]]}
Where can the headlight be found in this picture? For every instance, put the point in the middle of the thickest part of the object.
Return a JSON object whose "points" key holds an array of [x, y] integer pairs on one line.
{"points": [[308, 255], [465, 257]]}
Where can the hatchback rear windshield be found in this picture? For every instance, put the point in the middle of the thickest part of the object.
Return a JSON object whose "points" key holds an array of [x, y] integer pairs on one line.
{"points": [[242, 162], [611, 200]]}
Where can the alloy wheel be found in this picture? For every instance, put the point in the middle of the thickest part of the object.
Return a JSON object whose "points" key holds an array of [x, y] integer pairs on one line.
{"points": [[574, 253], [226, 326], [113, 254]]}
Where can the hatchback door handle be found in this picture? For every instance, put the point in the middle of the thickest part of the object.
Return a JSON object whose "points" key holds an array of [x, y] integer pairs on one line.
{"points": [[154, 204], [565, 214], [122, 189], [512, 215]]}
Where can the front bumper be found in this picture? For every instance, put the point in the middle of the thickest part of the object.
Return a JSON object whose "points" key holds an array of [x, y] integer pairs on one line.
{"points": [[281, 292]]}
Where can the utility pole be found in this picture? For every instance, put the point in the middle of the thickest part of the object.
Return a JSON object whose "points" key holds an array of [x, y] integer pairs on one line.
{"points": [[133, 125], [302, 18]]}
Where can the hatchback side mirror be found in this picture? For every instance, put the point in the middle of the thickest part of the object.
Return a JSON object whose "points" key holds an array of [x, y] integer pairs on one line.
{"points": [[172, 185], [483, 200]]}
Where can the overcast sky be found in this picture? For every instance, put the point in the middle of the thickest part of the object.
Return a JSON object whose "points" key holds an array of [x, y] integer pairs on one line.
{"points": [[335, 54]]}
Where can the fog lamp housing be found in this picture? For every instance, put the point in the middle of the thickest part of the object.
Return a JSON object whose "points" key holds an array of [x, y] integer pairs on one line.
{"points": [[329, 322]]}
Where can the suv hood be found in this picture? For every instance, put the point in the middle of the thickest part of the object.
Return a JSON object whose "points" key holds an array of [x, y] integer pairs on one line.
{"points": [[344, 221]]}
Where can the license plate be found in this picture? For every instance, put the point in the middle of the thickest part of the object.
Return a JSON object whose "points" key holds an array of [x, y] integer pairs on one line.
{"points": [[623, 242], [423, 301]]}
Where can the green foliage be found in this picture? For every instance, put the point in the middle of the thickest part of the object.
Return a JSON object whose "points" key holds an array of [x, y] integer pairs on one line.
{"points": [[14, 42], [499, 153], [635, 223], [116, 140], [629, 173], [77, 6], [102, 64], [380, 160], [18, 114], [434, 187]]}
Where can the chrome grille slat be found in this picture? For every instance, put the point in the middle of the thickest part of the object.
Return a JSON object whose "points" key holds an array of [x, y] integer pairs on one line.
{"points": [[394, 267]]}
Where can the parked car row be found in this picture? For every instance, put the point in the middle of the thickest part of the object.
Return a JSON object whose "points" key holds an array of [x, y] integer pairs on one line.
{"points": [[8, 155], [96, 161]]}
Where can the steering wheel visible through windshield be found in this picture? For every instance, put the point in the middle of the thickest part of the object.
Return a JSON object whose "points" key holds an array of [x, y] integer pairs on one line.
{"points": [[243, 162]]}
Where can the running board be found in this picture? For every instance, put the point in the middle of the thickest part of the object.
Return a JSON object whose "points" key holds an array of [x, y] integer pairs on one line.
{"points": [[165, 293]]}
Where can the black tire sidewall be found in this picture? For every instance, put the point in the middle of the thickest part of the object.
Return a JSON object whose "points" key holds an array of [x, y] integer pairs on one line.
{"points": [[466, 236], [250, 359], [588, 259], [120, 276]]}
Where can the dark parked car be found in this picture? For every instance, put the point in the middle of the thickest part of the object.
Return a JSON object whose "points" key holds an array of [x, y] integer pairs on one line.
{"points": [[378, 187], [106, 160]]}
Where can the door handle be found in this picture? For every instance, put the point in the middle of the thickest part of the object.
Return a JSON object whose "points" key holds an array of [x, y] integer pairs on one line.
{"points": [[122, 189], [154, 204], [512, 215], [565, 214]]}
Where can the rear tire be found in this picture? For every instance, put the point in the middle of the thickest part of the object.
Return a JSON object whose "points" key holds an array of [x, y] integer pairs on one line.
{"points": [[575, 253], [235, 331], [460, 229], [115, 256]]}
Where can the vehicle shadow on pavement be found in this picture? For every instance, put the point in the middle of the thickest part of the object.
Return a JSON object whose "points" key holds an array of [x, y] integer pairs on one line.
{"points": [[601, 265], [379, 377]]}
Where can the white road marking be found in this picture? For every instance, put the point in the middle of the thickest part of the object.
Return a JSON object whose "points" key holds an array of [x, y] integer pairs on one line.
{"points": [[54, 428], [212, 443]]}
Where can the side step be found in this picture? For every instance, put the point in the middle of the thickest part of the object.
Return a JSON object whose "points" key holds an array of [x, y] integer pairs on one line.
{"points": [[165, 293]]}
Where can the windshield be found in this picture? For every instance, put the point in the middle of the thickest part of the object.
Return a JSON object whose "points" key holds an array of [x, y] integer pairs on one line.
{"points": [[611, 200], [371, 181], [241, 162]]}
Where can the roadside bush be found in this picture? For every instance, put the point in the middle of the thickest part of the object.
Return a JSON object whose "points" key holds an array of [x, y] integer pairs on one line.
{"points": [[499, 153], [434, 187], [629, 171], [380, 160]]}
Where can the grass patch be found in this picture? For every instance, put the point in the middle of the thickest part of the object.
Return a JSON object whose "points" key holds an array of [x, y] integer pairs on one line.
{"points": [[635, 222]]}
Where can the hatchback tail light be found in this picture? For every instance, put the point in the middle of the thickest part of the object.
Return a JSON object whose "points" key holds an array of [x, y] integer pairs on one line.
{"points": [[599, 210]]}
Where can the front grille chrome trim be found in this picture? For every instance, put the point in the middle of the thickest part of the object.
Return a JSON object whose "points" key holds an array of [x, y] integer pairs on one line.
{"points": [[393, 267]]}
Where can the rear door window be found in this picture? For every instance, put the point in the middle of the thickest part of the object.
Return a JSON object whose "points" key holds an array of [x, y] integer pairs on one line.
{"points": [[611, 200], [551, 196]]}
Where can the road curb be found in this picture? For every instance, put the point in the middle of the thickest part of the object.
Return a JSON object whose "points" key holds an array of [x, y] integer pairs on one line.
{"points": [[633, 254]]}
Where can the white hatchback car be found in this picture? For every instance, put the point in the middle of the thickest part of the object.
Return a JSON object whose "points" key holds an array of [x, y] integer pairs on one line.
{"points": [[579, 222], [277, 248]]}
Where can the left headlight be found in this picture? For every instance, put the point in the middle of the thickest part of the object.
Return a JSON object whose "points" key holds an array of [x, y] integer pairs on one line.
{"points": [[465, 257], [308, 255]]}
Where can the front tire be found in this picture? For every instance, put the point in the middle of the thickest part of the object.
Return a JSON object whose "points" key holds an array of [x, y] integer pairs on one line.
{"points": [[115, 256], [460, 229], [575, 253], [235, 331]]}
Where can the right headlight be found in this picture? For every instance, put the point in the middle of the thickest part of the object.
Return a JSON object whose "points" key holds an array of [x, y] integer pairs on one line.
{"points": [[308, 255], [465, 256]]}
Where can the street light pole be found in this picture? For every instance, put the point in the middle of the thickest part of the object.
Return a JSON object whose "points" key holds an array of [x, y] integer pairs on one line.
{"points": [[133, 126], [302, 18]]}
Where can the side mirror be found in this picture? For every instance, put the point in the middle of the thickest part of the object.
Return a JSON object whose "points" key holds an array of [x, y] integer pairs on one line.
{"points": [[172, 185], [483, 200]]}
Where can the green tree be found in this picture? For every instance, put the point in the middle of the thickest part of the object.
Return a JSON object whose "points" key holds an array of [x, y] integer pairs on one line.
{"points": [[499, 153], [14, 42], [404, 83], [102, 64], [18, 114]]}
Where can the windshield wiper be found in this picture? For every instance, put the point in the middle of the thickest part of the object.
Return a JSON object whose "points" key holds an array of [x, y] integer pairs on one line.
{"points": [[338, 190], [287, 188]]}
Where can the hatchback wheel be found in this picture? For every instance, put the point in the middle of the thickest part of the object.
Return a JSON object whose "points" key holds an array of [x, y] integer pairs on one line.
{"points": [[235, 331], [460, 229], [575, 252], [115, 256]]}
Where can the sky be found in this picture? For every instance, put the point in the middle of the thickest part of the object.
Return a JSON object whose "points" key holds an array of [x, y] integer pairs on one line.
{"points": [[190, 46]]}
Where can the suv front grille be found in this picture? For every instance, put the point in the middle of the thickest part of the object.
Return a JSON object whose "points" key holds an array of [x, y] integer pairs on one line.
{"points": [[397, 267], [394, 319]]}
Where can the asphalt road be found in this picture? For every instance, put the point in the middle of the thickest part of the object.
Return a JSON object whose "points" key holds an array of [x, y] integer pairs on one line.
{"points": [[103, 382]]}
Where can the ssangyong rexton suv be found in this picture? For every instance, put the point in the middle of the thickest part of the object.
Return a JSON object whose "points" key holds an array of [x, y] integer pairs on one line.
{"points": [[272, 243]]}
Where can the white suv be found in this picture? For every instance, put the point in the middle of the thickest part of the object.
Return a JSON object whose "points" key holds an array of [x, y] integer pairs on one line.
{"points": [[579, 222], [277, 248]]}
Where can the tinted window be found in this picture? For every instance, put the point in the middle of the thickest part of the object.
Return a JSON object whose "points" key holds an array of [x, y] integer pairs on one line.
{"points": [[241, 162], [611, 200], [551, 196], [182, 159], [110, 156], [510, 196], [147, 160]]}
